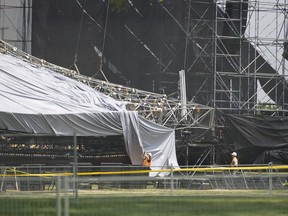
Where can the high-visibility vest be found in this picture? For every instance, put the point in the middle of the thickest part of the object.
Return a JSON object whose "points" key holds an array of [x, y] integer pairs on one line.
{"points": [[146, 162]]}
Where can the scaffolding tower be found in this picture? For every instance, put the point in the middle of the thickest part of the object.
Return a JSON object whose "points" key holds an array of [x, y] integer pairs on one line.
{"points": [[234, 56], [16, 23], [238, 66], [250, 71]]}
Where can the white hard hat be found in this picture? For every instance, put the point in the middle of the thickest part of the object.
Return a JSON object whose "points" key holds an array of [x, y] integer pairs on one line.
{"points": [[149, 154], [234, 154]]}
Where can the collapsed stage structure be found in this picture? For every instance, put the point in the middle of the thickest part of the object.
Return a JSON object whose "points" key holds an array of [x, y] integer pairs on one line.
{"points": [[150, 106], [233, 66], [37, 101]]}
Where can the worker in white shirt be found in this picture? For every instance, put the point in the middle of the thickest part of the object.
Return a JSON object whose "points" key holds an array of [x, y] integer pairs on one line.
{"points": [[234, 162]]}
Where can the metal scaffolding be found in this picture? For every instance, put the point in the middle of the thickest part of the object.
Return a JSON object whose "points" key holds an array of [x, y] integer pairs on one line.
{"points": [[238, 66], [154, 107], [191, 127], [233, 57], [16, 23], [249, 65]]}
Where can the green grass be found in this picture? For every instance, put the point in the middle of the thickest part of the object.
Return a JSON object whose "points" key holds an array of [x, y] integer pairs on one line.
{"points": [[180, 206], [197, 203]]}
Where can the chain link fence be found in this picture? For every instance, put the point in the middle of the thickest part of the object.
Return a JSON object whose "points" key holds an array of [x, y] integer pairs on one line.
{"points": [[59, 190]]}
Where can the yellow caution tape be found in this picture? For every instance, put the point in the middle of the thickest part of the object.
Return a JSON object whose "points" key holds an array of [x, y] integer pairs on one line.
{"points": [[19, 173]]}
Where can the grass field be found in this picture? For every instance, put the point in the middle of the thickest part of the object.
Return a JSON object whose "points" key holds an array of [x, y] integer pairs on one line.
{"points": [[132, 203]]}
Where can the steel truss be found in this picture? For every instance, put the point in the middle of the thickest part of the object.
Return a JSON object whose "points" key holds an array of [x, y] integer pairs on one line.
{"points": [[195, 127], [154, 107], [240, 58], [227, 68]]}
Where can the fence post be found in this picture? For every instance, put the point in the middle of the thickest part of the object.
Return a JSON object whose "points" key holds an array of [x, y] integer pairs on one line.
{"points": [[58, 196], [270, 177], [75, 170], [66, 205], [172, 180]]}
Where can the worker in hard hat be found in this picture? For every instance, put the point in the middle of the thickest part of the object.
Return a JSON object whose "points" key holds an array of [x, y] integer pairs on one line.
{"points": [[234, 162], [147, 159]]}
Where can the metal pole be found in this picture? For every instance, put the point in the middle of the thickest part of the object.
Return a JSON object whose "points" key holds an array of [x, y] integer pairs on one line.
{"points": [[187, 35], [58, 197], [270, 178], [172, 181], [183, 94], [24, 28], [187, 157], [215, 57], [66, 201], [75, 169]]}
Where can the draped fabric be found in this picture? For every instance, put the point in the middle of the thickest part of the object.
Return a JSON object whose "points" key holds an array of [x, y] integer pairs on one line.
{"points": [[38, 100], [258, 138]]}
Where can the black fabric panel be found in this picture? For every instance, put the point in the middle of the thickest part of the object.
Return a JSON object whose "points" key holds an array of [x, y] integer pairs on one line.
{"points": [[259, 131], [258, 139]]}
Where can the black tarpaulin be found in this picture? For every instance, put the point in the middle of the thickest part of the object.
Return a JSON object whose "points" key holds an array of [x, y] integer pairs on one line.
{"points": [[258, 138]]}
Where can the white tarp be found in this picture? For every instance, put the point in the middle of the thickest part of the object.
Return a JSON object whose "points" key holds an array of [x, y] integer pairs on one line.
{"points": [[37, 100]]}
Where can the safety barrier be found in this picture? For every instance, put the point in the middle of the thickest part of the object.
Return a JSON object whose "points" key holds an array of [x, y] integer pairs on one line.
{"points": [[55, 190], [33, 177]]}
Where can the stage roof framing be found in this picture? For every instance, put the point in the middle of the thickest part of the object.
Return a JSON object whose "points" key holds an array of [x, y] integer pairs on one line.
{"points": [[155, 107]]}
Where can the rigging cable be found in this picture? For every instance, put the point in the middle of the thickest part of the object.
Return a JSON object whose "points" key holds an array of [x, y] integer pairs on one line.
{"points": [[84, 11], [103, 44], [78, 40], [90, 17]]}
